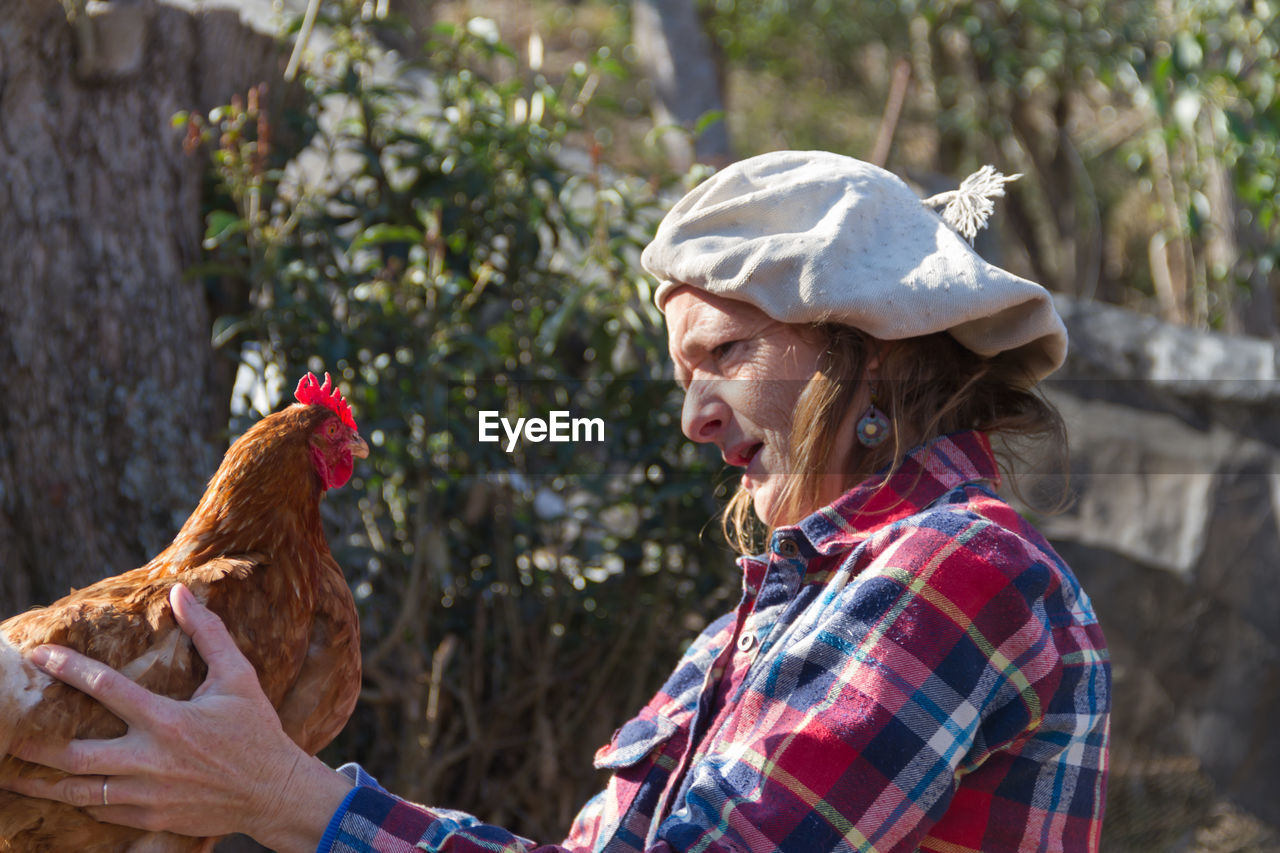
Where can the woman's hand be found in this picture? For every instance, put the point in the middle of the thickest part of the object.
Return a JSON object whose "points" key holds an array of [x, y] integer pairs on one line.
{"points": [[216, 764]]}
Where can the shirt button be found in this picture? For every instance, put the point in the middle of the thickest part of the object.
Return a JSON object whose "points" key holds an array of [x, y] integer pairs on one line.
{"points": [[789, 549], [745, 642]]}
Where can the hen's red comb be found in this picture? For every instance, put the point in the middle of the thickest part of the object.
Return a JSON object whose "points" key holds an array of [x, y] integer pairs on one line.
{"points": [[311, 393]]}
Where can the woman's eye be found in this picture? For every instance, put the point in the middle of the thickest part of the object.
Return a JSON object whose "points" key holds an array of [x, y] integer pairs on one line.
{"points": [[723, 349]]}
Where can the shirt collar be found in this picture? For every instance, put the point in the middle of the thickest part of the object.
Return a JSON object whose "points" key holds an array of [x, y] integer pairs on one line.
{"points": [[927, 473]]}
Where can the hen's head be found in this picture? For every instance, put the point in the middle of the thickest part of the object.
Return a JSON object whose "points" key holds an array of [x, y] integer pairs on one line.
{"points": [[334, 442]]}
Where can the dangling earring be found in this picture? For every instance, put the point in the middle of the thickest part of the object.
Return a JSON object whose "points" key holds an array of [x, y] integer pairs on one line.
{"points": [[873, 426]]}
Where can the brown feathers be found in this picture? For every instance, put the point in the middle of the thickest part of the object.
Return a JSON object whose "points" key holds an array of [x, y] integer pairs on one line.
{"points": [[254, 551]]}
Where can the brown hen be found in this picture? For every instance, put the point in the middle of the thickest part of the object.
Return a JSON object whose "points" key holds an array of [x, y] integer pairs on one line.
{"points": [[255, 552]]}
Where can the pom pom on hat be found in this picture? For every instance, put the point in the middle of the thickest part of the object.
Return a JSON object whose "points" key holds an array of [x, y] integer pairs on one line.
{"points": [[815, 237], [970, 206]]}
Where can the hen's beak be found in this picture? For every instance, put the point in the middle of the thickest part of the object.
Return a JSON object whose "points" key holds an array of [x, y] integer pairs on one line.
{"points": [[359, 449]]}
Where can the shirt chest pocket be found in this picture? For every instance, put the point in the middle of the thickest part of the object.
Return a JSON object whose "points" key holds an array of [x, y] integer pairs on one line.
{"points": [[648, 735]]}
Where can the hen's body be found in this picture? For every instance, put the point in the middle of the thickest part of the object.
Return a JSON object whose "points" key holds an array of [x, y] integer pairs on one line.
{"points": [[254, 551]]}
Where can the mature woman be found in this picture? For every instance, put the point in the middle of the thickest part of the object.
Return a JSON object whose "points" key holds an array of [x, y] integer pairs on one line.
{"points": [[911, 666]]}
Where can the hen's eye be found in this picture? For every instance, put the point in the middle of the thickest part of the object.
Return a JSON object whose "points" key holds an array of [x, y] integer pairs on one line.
{"points": [[332, 429]]}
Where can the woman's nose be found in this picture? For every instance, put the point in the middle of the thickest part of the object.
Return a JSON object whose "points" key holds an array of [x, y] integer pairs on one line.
{"points": [[704, 414]]}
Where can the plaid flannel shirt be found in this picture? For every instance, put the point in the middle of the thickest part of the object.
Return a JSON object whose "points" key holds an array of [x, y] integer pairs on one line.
{"points": [[910, 668]]}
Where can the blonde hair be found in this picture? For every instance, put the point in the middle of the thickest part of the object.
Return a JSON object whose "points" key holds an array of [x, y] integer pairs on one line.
{"points": [[928, 386]]}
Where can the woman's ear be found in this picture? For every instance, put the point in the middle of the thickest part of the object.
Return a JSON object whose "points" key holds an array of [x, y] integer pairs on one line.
{"points": [[879, 352]]}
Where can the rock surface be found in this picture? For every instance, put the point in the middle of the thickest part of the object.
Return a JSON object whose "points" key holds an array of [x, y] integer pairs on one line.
{"points": [[1175, 533]]}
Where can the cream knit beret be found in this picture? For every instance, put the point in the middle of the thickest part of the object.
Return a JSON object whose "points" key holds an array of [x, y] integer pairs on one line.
{"points": [[815, 237]]}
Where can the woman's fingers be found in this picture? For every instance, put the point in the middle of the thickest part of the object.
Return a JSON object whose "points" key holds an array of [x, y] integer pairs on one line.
{"points": [[87, 792], [125, 699], [59, 756], [208, 633], [136, 816], [76, 790], [80, 757]]}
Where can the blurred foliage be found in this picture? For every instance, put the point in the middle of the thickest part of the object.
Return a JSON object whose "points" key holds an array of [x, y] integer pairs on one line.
{"points": [[429, 248], [1147, 131]]}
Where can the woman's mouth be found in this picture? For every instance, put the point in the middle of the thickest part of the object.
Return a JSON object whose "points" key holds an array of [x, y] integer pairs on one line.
{"points": [[741, 455]]}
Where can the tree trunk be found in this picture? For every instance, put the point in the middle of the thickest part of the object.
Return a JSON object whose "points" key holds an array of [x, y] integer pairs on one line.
{"points": [[115, 407], [677, 58]]}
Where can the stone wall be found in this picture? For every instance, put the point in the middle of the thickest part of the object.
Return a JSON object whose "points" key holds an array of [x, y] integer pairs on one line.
{"points": [[1174, 530]]}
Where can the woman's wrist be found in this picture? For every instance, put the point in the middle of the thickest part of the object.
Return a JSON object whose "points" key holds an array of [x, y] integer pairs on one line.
{"points": [[303, 807]]}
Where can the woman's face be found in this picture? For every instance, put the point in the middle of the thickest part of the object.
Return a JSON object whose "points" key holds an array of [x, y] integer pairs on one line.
{"points": [[742, 372]]}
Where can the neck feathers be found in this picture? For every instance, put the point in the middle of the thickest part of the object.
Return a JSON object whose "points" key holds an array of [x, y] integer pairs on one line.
{"points": [[264, 497]]}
